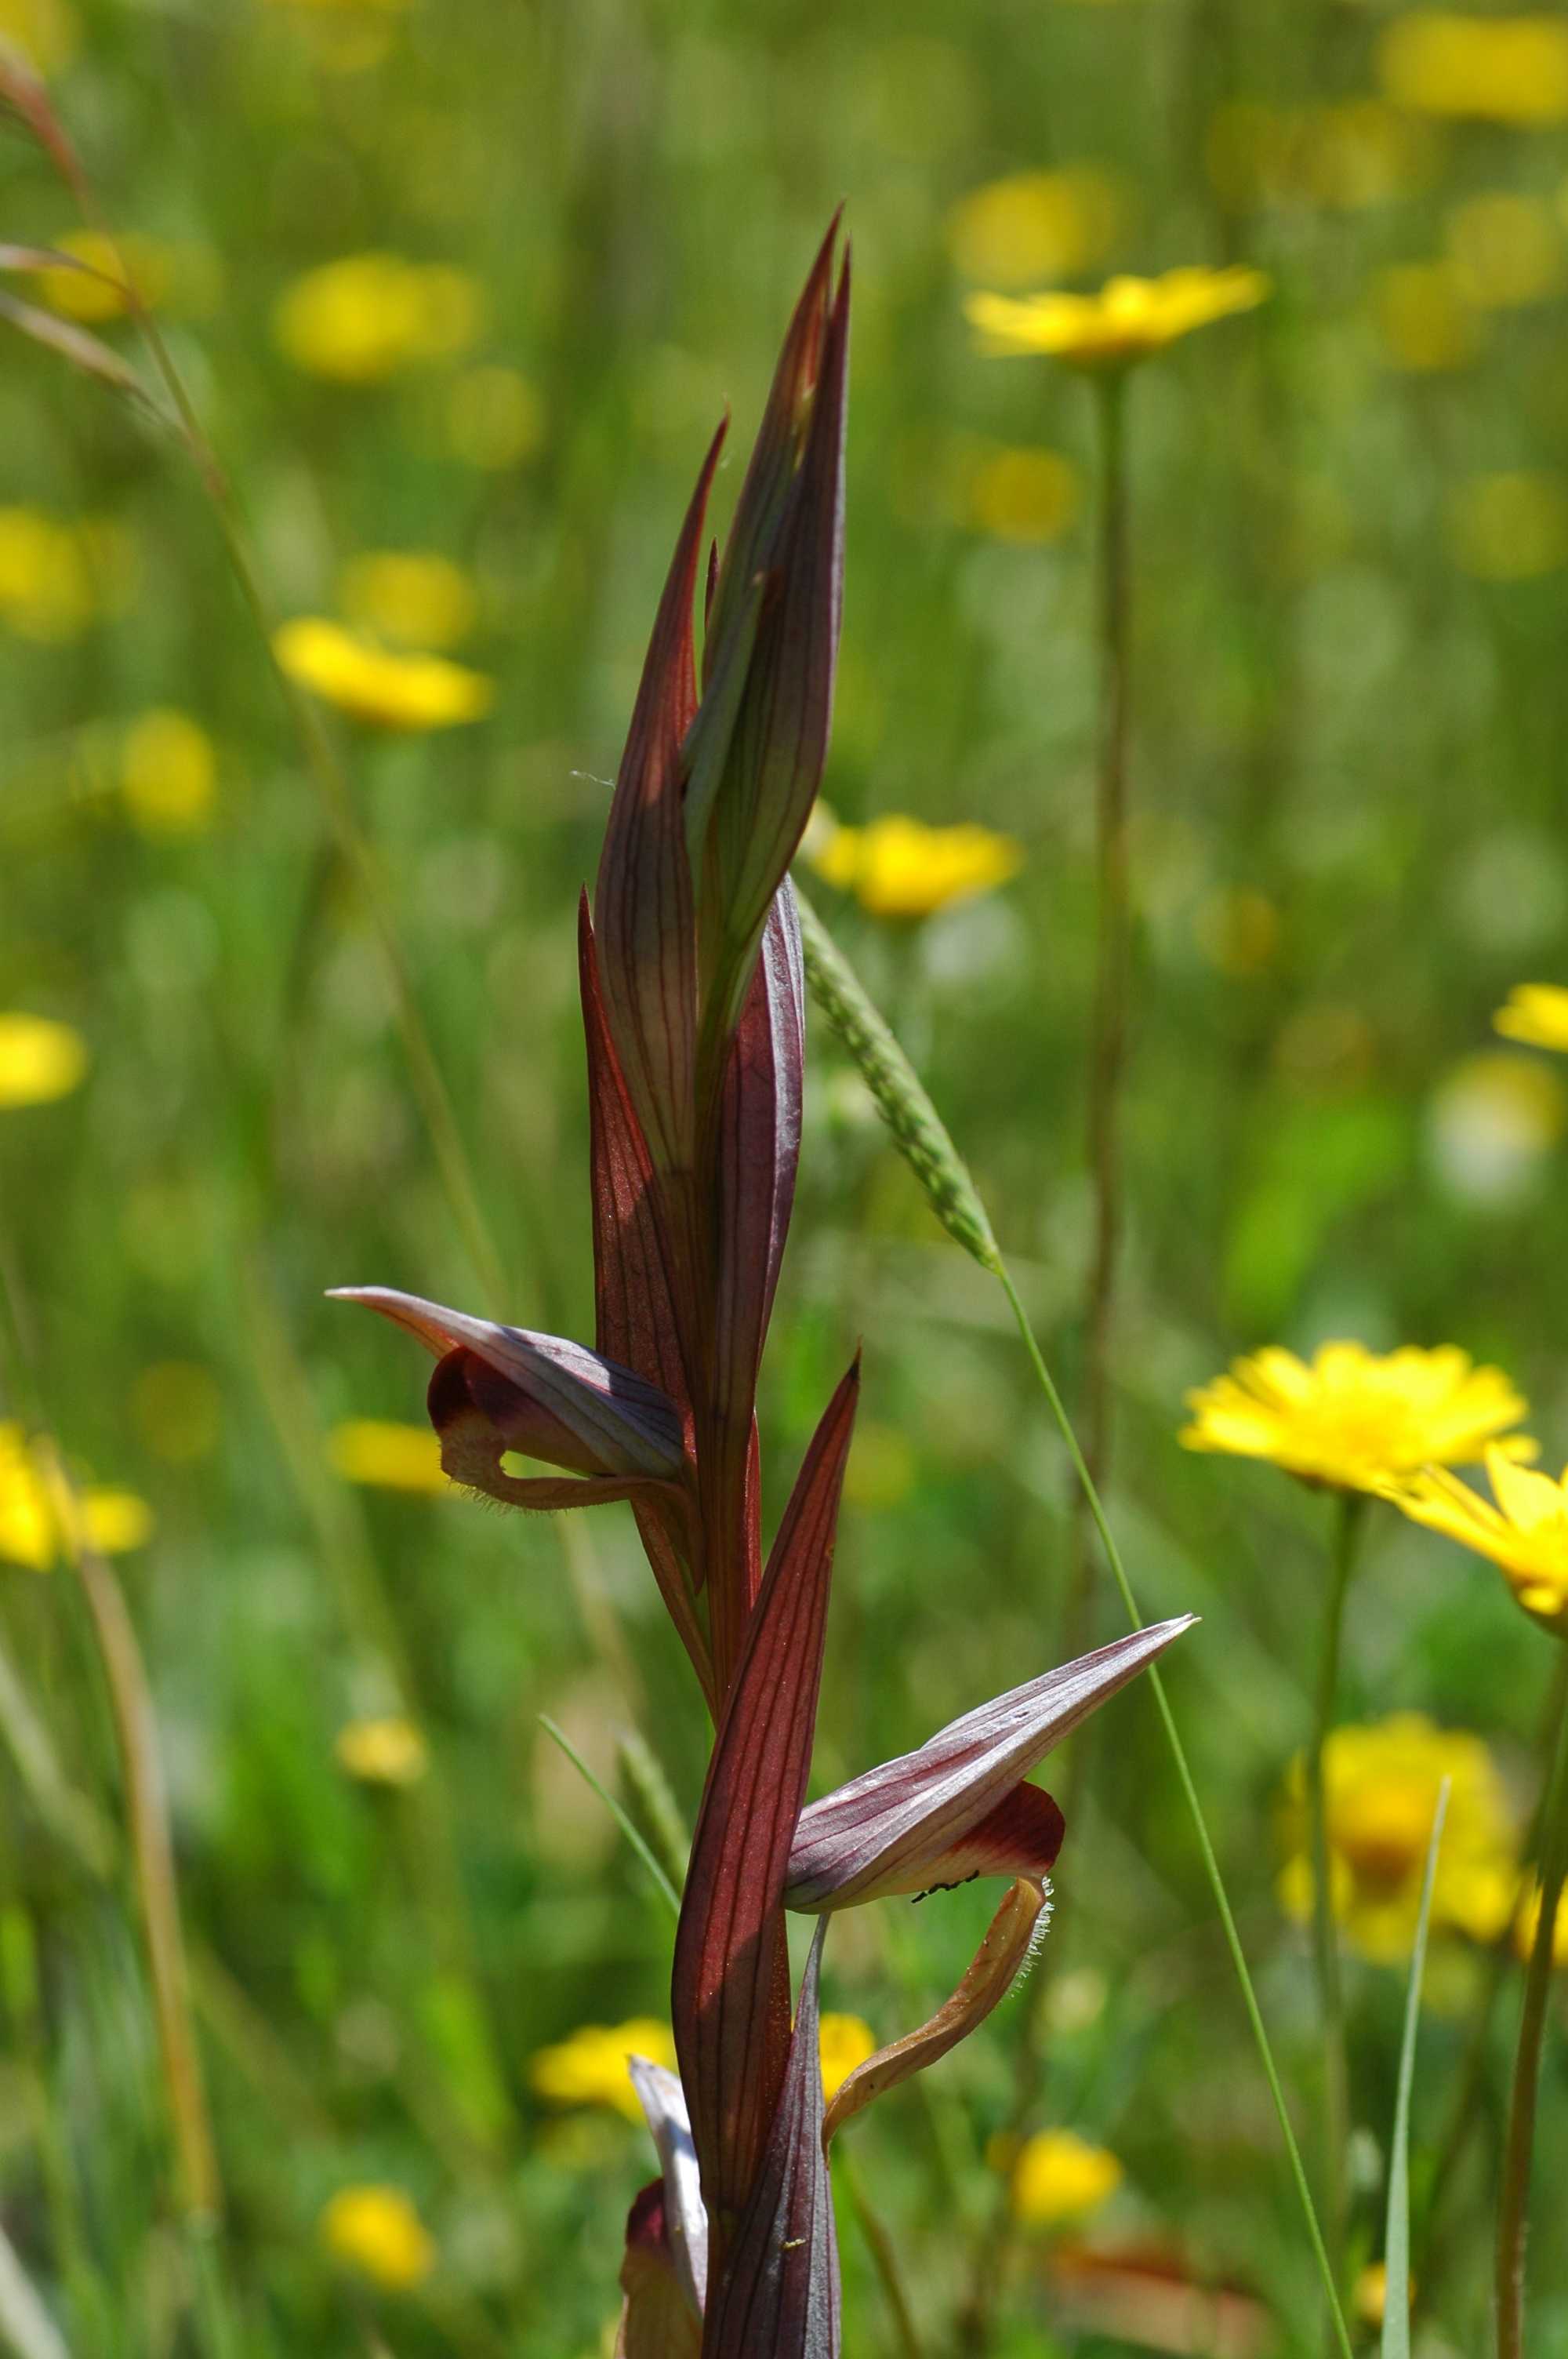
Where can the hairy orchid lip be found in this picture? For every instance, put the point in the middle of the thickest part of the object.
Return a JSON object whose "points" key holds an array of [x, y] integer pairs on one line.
{"points": [[615, 1423], [959, 1807]]}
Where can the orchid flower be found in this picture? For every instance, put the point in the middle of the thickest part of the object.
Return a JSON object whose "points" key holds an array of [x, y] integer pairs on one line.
{"points": [[690, 974]]}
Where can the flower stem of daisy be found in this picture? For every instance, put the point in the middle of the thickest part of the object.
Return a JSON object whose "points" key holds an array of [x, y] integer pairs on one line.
{"points": [[1113, 904], [1325, 1939], [1513, 2211], [1200, 1824]]}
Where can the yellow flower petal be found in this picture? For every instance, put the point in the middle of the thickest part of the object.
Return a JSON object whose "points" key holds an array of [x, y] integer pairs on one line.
{"points": [[899, 867], [377, 2231], [590, 2068], [388, 1751], [368, 317], [1352, 1419], [1060, 2176], [386, 692], [1127, 320], [39, 1061], [1536, 1013], [387, 1455], [846, 2042], [168, 773]]}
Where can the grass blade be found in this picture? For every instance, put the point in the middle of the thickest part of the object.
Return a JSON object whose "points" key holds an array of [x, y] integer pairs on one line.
{"points": [[1396, 2235], [667, 1892]]}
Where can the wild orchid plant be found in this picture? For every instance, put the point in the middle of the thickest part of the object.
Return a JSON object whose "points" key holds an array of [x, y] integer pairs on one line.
{"points": [[692, 986]]}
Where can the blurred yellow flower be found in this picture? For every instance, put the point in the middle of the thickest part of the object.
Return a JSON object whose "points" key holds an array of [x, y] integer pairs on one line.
{"points": [[168, 773], [368, 316], [179, 1410], [496, 418], [1527, 1924], [1126, 321], [383, 689], [1352, 1418], [1509, 528], [1525, 1533], [899, 867], [1060, 2176], [1506, 250], [377, 2231], [39, 1061], [1022, 494], [388, 1751], [390, 1456], [1424, 317], [97, 292], [35, 1504], [413, 597], [1032, 225], [846, 2042], [1492, 1121], [1536, 1013], [1358, 153], [46, 32], [48, 586], [590, 2068], [1380, 1787], [1499, 68]]}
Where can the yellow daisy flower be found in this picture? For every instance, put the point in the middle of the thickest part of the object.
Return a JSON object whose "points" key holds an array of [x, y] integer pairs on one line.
{"points": [[388, 1751], [168, 773], [846, 2042], [1126, 321], [1353, 1419], [39, 1061], [899, 867], [1536, 1013], [377, 2231], [1060, 2176], [1380, 1788], [368, 317], [404, 693], [1525, 1533], [590, 2068], [34, 1505], [387, 1455], [1498, 69]]}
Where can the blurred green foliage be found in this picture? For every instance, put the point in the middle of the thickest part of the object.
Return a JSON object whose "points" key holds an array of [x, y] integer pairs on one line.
{"points": [[1350, 706]]}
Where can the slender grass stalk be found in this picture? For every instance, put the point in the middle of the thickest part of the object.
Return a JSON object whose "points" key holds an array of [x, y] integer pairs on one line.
{"points": [[1347, 1528], [1396, 2235], [1109, 1023], [198, 2188], [927, 1148], [1513, 2204], [661, 1882], [1200, 1824], [884, 2256]]}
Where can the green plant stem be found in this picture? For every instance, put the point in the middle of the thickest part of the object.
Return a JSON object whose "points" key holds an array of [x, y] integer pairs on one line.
{"points": [[1200, 1825], [1347, 1526], [1466, 2110], [1396, 2231], [1513, 2206], [884, 2256], [1108, 1027]]}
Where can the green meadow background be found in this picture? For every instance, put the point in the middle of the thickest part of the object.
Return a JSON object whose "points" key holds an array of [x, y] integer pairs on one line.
{"points": [[1350, 706]]}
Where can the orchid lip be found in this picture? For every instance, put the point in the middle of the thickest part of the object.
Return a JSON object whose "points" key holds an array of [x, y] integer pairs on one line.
{"points": [[627, 1425]]}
